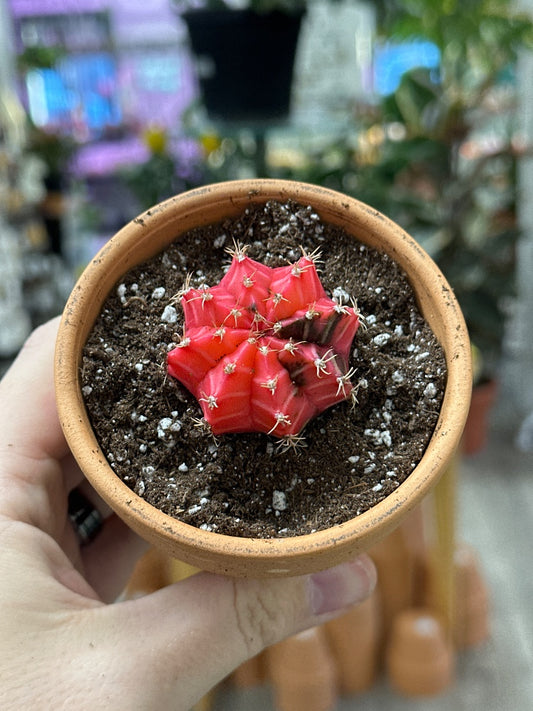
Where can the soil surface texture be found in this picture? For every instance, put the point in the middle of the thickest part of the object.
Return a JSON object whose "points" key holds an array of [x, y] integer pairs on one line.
{"points": [[147, 423]]}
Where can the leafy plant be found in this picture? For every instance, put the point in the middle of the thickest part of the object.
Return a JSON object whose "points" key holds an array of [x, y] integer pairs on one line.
{"points": [[161, 175], [439, 154], [39, 57], [454, 169], [54, 149]]}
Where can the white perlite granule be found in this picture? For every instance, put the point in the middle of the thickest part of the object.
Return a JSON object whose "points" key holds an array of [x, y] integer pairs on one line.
{"points": [[158, 292], [169, 315], [121, 292], [430, 390], [279, 501], [381, 339], [341, 295]]}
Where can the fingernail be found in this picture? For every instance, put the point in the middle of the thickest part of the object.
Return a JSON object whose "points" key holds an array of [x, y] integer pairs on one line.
{"points": [[338, 588]]}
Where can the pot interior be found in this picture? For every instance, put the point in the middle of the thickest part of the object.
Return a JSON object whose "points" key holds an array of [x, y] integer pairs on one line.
{"points": [[151, 233]]}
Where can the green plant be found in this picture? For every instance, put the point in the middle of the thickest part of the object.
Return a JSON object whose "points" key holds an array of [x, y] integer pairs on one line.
{"points": [[54, 149], [439, 155], [456, 194], [158, 177], [39, 57], [454, 168]]}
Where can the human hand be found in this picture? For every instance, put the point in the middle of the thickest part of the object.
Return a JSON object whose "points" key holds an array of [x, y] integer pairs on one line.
{"points": [[63, 641]]}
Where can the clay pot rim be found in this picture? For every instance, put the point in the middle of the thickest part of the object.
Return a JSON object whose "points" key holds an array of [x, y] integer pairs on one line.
{"points": [[217, 552]]}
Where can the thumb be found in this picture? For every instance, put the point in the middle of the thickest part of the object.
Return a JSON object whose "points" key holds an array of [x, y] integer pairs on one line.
{"points": [[189, 636]]}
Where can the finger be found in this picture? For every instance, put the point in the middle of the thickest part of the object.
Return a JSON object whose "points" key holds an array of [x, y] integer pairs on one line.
{"points": [[95, 499], [86, 516], [32, 487], [197, 631], [109, 560], [72, 473], [28, 419], [99, 545]]}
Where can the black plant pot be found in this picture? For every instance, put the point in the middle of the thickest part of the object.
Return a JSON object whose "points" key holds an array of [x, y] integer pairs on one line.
{"points": [[245, 62]]}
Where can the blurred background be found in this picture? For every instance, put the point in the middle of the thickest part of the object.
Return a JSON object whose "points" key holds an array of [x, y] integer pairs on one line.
{"points": [[423, 109]]}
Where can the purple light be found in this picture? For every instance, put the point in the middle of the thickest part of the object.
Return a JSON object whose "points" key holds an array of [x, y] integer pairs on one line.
{"points": [[29, 8]]}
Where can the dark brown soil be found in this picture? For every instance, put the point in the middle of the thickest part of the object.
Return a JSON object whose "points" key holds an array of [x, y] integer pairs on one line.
{"points": [[240, 484]]}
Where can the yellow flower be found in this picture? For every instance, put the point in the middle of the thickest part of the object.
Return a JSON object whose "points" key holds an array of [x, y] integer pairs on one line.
{"points": [[210, 142], [156, 139]]}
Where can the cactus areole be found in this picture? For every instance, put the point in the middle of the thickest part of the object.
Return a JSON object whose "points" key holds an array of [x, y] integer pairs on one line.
{"points": [[266, 349]]}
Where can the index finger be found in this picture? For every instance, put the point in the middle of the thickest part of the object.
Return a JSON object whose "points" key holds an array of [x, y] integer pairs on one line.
{"points": [[28, 417], [32, 446]]}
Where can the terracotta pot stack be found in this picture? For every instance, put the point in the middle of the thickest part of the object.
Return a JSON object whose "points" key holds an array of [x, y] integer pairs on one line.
{"points": [[391, 633], [397, 566], [152, 572], [395, 634], [476, 430]]}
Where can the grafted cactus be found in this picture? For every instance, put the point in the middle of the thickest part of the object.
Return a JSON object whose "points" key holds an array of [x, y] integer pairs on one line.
{"points": [[266, 349]]}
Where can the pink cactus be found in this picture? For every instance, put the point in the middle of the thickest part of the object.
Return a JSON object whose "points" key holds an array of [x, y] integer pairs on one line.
{"points": [[266, 349]]}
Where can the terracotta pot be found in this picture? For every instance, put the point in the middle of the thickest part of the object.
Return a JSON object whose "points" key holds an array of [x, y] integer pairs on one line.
{"points": [[419, 657], [472, 614], [149, 234], [355, 641], [396, 567], [303, 674], [151, 573], [250, 673], [475, 434]]}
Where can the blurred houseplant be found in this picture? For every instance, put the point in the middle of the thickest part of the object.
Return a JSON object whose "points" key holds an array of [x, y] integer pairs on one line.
{"points": [[164, 173], [52, 147], [55, 149], [453, 171], [439, 154]]}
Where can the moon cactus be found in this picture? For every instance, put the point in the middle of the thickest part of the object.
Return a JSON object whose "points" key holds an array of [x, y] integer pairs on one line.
{"points": [[266, 349]]}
